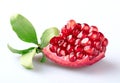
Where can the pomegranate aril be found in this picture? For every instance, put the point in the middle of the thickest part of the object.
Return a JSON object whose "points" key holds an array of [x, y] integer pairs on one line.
{"points": [[97, 44], [60, 42], [100, 49], [72, 57], [77, 42], [93, 28], [53, 48], [85, 41], [101, 36], [96, 52], [93, 35], [89, 42], [70, 48], [78, 48], [86, 28], [55, 40], [71, 39], [63, 36], [75, 32], [79, 55], [65, 31], [78, 26], [105, 42], [81, 35], [71, 24], [59, 53], [103, 49], [64, 45], [89, 50], [62, 52]]}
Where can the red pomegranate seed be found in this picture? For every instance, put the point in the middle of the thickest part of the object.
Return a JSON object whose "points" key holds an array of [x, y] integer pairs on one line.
{"points": [[79, 55], [96, 52], [70, 48], [85, 41], [97, 44], [86, 27], [64, 45], [75, 32], [105, 42], [61, 42], [89, 50], [65, 31], [93, 35], [81, 35], [58, 52], [54, 40], [77, 48], [62, 52], [71, 39], [103, 49], [78, 26], [93, 28], [53, 48], [72, 57], [101, 36], [77, 42], [71, 24]]}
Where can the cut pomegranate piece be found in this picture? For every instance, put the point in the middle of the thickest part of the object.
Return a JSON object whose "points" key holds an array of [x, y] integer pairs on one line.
{"points": [[77, 45]]}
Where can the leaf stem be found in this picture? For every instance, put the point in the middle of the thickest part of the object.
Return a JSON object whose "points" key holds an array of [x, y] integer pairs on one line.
{"points": [[43, 59], [39, 49]]}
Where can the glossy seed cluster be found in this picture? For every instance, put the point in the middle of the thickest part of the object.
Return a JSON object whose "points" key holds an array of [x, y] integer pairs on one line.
{"points": [[77, 41]]}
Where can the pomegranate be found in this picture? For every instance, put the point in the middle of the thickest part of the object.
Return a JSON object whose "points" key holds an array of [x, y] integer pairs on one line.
{"points": [[77, 45]]}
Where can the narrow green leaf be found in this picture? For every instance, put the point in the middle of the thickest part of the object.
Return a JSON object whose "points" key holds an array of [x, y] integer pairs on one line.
{"points": [[23, 28], [43, 59], [19, 51], [47, 35], [26, 59]]}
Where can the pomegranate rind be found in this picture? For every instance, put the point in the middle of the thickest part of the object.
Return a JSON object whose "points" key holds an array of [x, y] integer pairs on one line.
{"points": [[64, 61]]}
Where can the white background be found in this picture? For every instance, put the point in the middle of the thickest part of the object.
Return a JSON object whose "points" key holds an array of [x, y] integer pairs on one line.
{"points": [[48, 13]]}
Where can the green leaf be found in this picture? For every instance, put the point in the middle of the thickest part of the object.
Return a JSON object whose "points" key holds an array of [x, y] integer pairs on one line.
{"points": [[47, 35], [19, 51], [23, 28], [43, 59], [26, 59]]}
